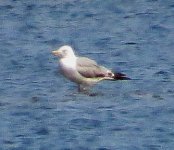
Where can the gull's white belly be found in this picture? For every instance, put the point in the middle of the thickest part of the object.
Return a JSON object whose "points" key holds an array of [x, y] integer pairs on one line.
{"points": [[68, 68]]}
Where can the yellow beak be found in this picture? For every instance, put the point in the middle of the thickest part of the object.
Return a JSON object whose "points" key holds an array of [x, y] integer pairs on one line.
{"points": [[56, 53]]}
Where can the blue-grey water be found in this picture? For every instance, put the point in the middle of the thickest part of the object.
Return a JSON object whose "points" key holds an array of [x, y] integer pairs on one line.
{"points": [[41, 110]]}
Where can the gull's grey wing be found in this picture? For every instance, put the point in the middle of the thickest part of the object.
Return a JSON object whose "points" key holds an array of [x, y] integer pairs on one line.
{"points": [[89, 68]]}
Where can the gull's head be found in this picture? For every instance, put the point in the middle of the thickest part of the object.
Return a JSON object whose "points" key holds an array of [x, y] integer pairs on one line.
{"points": [[64, 52]]}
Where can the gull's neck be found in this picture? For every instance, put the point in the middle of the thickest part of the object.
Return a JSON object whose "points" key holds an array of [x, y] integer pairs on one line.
{"points": [[68, 62]]}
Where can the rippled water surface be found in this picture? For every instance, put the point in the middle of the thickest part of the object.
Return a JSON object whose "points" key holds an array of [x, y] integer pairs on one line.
{"points": [[39, 109]]}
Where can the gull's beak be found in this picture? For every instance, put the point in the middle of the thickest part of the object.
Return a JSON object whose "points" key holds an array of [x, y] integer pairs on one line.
{"points": [[56, 53]]}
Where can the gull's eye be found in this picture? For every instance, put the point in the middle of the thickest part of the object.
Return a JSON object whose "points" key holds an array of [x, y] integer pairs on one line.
{"points": [[64, 52]]}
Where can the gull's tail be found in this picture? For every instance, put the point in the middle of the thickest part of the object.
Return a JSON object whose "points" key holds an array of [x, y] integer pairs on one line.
{"points": [[120, 76]]}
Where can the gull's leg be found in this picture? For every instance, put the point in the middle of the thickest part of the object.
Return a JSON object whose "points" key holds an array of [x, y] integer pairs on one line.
{"points": [[86, 90], [79, 89], [82, 88]]}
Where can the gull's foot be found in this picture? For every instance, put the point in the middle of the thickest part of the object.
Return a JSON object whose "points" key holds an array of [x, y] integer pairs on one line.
{"points": [[95, 94]]}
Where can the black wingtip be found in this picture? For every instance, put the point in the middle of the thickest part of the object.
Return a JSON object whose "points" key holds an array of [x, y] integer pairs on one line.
{"points": [[121, 76]]}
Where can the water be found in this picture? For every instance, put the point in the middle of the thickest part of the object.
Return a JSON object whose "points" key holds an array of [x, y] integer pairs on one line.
{"points": [[39, 109]]}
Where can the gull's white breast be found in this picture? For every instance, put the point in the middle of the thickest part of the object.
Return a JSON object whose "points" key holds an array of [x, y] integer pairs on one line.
{"points": [[68, 68], [68, 63]]}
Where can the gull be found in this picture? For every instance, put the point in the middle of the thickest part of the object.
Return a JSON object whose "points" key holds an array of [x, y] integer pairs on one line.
{"points": [[83, 71]]}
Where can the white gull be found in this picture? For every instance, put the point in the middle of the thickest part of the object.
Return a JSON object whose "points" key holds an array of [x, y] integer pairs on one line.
{"points": [[82, 70]]}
